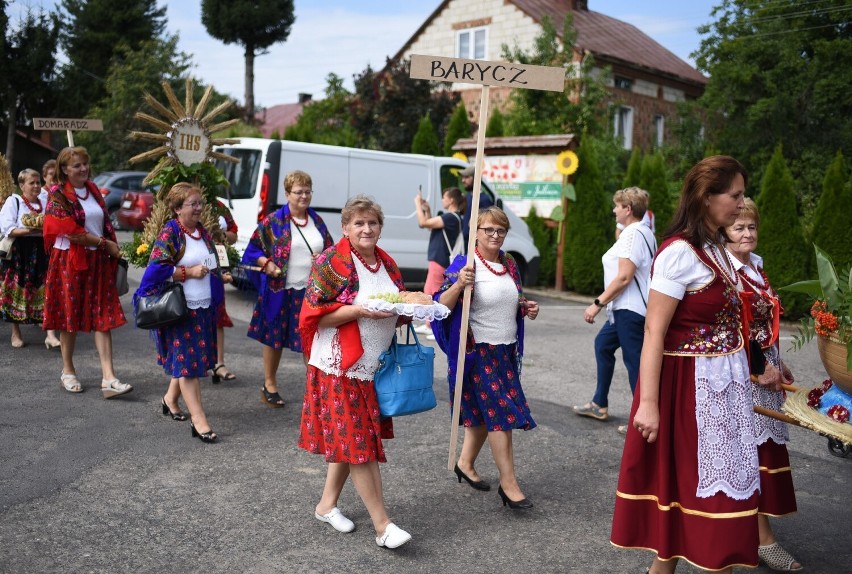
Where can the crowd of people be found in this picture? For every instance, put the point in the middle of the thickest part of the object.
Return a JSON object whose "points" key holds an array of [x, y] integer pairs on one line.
{"points": [[700, 472]]}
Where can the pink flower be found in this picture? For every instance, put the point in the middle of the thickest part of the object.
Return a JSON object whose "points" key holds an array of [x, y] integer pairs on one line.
{"points": [[838, 413], [815, 397]]}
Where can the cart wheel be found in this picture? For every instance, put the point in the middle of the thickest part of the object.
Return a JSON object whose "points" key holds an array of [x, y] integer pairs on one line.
{"points": [[838, 448]]}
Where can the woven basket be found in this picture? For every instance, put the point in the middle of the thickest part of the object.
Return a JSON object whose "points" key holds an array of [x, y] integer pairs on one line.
{"points": [[833, 355]]}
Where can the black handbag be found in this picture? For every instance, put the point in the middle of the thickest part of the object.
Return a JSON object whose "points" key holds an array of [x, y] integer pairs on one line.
{"points": [[161, 309], [121, 284]]}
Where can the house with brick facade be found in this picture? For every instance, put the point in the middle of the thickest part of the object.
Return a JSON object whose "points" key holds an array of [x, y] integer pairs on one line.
{"points": [[646, 81]]}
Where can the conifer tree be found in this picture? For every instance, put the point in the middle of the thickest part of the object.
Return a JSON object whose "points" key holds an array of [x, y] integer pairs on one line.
{"points": [[495, 125], [425, 140], [544, 238], [831, 220], [634, 169], [781, 243], [653, 180], [458, 128], [591, 228]]}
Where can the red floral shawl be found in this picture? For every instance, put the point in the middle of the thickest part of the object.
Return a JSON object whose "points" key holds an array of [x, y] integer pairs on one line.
{"points": [[64, 215], [334, 283]]}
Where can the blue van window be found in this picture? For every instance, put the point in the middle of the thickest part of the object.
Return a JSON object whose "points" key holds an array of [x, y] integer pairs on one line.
{"points": [[243, 176]]}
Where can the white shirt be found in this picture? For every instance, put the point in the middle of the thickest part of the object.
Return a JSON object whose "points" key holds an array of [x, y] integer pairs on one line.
{"points": [[493, 296], [299, 265], [638, 245], [94, 219], [13, 210], [197, 291], [677, 269]]}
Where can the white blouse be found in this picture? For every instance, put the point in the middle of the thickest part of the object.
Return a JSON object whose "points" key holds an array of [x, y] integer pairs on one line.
{"points": [[94, 219], [494, 306], [197, 291], [299, 264], [13, 210]]}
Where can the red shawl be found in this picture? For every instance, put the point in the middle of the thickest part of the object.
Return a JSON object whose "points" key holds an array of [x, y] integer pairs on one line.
{"points": [[334, 283], [64, 215]]}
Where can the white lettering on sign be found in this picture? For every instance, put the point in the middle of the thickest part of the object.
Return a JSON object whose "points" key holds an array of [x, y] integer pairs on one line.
{"points": [[64, 124], [508, 74]]}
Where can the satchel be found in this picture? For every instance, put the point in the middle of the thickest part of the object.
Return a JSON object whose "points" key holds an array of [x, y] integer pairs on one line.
{"points": [[161, 309], [403, 380], [121, 284]]}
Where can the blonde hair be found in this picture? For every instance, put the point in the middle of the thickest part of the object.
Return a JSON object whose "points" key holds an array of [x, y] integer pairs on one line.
{"points": [[51, 163], [635, 197], [179, 192], [297, 177], [64, 158], [24, 174], [495, 214], [749, 211], [361, 204]]}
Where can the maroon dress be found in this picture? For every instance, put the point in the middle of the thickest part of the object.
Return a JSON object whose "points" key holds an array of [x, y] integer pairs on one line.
{"points": [[657, 504]]}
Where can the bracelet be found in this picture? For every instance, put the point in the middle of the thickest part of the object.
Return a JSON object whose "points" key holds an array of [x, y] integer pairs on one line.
{"points": [[183, 271], [101, 242], [268, 261]]}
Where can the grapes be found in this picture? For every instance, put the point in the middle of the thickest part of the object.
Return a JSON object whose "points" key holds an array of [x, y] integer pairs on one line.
{"points": [[389, 297]]}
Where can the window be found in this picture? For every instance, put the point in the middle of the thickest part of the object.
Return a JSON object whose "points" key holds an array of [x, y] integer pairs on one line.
{"points": [[623, 83], [659, 129], [623, 128], [472, 43], [242, 176]]}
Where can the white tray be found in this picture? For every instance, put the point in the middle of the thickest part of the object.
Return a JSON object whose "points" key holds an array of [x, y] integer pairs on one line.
{"points": [[433, 312]]}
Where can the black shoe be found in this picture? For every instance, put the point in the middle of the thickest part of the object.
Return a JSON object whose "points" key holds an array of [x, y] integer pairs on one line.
{"points": [[178, 416], [477, 484], [208, 436], [522, 504], [274, 400]]}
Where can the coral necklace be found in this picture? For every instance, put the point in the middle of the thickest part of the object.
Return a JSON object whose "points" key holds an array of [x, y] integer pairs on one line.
{"points": [[82, 197], [729, 271], [756, 284], [296, 221], [31, 206], [371, 269], [487, 266], [189, 233]]}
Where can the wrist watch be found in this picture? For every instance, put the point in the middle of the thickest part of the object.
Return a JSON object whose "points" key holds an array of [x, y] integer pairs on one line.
{"points": [[599, 304]]}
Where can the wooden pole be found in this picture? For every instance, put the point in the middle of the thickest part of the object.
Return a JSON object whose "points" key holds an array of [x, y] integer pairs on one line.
{"points": [[471, 243], [560, 241], [776, 415], [70, 138]]}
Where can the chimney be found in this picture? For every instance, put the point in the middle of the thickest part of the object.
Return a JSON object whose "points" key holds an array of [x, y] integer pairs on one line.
{"points": [[305, 98], [579, 5]]}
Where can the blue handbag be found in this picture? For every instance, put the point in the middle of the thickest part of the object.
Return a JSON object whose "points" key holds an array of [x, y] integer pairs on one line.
{"points": [[403, 380]]}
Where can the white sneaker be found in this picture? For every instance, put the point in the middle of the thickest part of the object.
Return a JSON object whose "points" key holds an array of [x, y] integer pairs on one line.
{"points": [[394, 537], [114, 388], [337, 520], [423, 329]]}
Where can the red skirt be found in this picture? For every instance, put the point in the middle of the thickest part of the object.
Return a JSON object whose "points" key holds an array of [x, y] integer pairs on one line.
{"points": [[222, 317], [777, 496], [84, 300], [340, 419], [656, 507]]}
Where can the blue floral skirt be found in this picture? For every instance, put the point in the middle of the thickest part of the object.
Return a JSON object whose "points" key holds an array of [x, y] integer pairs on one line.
{"points": [[283, 329], [491, 390], [188, 348]]}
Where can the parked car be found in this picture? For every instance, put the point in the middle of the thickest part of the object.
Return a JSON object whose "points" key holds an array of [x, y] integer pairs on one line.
{"points": [[113, 184], [135, 209]]}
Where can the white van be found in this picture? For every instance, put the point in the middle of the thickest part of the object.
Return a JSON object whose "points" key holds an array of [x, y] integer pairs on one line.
{"points": [[338, 173]]}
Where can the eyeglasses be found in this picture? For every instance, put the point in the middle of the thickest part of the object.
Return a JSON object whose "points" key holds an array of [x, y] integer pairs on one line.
{"points": [[494, 231], [302, 193], [194, 204]]}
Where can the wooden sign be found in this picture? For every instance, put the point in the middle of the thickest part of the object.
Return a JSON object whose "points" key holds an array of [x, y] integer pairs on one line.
{"points": [[508, 74], [65, 124]]}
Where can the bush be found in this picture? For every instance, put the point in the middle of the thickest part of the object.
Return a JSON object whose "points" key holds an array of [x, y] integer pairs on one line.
{"points": [[495, 125], [831, 220], [653, 180], [634, 169], [458, 128], [544, 238], [425, 140]]}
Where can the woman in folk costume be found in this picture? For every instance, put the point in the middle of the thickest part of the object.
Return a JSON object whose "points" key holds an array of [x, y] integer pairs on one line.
{"points": [[284, 246], [689, 479], [80, 291], [493, 402], [229, 227], [343, 338], [777, 496]]}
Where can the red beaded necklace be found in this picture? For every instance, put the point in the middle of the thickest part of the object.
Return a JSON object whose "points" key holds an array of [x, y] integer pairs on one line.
{"points": [[31, 206], [756, 284], [187, 232], [82, 197], [370, 268], [732, 276], [296, 221], [487, 266]]}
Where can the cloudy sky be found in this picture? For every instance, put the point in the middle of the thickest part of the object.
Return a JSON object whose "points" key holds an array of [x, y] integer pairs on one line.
{"points": [[344, 36]]}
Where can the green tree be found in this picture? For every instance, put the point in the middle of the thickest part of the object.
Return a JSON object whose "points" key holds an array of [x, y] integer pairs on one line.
{"points": [[254, 25], [495, 128], [28, 78], [425, 141], [653, 180], [544, 238], [327, 121], [579, 109], [589, 223], [91, 33], [779, 72], [133, 72], [782, 244], [458, 128], [388, 104], [633, 176], [831, 220]]}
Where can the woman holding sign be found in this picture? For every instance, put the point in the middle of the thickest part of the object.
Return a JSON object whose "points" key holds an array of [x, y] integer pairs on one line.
{"points": [[493, 402], [184, 252], [284, 246]]}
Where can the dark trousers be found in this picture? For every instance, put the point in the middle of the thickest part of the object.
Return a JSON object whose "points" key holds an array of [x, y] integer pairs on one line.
{"points": [[627, 332]]}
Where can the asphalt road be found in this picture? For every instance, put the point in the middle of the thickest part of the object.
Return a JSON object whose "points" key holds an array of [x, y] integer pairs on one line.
{"points": [[88, 485]]}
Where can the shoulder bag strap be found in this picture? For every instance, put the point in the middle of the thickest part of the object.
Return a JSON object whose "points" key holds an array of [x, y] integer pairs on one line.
{"points": [[635, 280], [302, 234], [447, 239]]}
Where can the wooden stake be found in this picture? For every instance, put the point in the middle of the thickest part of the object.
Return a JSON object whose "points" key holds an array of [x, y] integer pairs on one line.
{"points": [[471, 244], [776, 415]]}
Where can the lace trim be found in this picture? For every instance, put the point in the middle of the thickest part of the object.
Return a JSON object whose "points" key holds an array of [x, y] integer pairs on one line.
{"points": [[199, 304], [434, 312], [767, 428], [727, 450]]}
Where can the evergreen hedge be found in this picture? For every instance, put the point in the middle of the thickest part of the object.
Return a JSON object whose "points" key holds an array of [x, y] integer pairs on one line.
{"points": [[831, 219], [495, 127], [633, 175], [781, 242], [544, 238], [425, 140], [653, 179], [458, 128], [590, 225]]}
